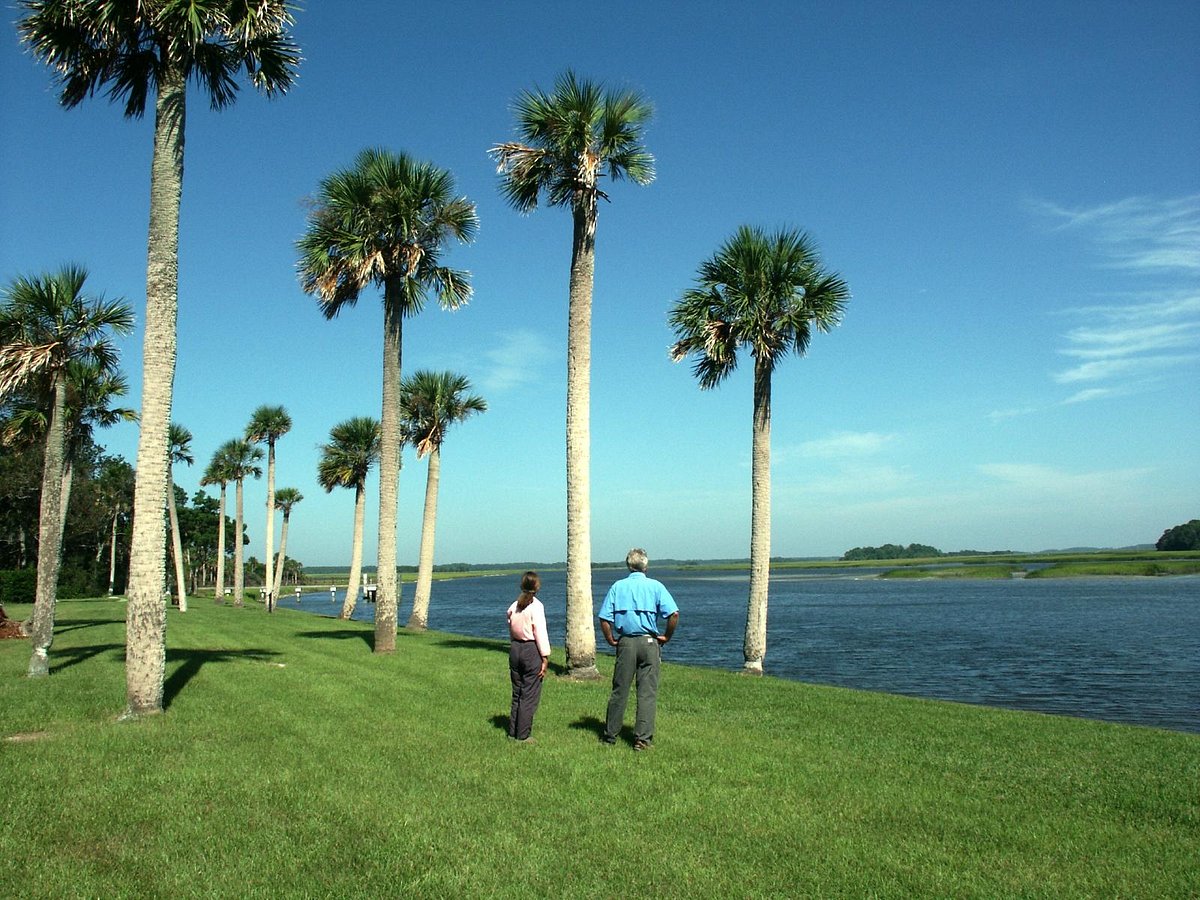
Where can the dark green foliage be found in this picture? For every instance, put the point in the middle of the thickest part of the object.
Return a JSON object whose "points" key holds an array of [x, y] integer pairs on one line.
{"points": [[892, 551], [17, 585], [1181, 537]]}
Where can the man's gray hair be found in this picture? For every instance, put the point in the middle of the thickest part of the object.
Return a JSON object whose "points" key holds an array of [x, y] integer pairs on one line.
{"points": [[637, 560]]}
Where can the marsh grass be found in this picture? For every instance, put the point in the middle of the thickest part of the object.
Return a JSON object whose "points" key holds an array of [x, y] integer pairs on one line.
{"points": [[292, 762]]}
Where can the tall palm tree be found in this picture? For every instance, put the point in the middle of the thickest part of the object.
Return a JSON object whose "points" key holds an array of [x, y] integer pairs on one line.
{"points": [[286, 498], [430, 402], [135, 51], [569, 140], [220, 471], [386, 222], [181, 452], [242, 458], [267, 425], [765, 293], [345, 461], [47, 321]]}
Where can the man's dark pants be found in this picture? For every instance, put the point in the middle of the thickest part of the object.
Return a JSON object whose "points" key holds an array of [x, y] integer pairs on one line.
{"points": [[638, 658]]}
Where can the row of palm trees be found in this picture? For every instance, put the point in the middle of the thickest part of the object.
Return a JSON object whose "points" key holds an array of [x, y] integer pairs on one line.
{"points": [[385, 222], [430, 403]]}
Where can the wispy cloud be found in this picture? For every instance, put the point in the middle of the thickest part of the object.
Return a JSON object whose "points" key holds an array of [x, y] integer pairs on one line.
{"points": [[1047, 480], [1152, 330], [1140, 233], [844, 444], [517, 358]]}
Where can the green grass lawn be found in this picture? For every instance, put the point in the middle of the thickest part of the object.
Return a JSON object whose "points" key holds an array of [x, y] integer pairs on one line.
{"points": [[293, 762]]}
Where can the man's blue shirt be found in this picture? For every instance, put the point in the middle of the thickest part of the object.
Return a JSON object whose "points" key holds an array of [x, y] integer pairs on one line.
{"points": [[635, 604]]}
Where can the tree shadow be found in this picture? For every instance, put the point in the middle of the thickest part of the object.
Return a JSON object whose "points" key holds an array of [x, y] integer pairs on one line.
{"points": [[73, 656], [194, 660], [76, 624], [366, 636], [464, 643]]}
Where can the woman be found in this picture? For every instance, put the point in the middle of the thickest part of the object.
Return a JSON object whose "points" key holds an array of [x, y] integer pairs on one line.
{"points": [[528, 656]]}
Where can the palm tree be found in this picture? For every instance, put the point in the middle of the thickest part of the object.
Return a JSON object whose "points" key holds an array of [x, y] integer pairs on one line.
{"points": [[766, 293], [241, 457], [386, 221], [133, 51], [91, 388], [181, 452], [46, 322], [286, 498], [430, 402], [115, 483], [570, 139], [345, 461], [220, 471], [267, 425]]}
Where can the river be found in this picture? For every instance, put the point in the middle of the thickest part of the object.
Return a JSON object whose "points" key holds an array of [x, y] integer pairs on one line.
{"points": [[1117, 649]]}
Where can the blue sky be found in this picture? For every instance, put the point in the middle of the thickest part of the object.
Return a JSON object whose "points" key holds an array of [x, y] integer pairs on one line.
{"points": [[1012, 192]]}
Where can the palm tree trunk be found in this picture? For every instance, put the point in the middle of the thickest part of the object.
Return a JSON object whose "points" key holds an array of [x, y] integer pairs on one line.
{"points": [[68, 478], [269, 558], [360, 504], [219, 581], [581, 628], [112, 554], [387, 600], [239, 564], [282, 556], [145, 613], [419, 620], [176, 543], [50, 527], [755, 647]]}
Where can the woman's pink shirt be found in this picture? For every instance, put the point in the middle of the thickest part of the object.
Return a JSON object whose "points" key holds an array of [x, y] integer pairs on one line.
{"points": [[529, 624]]}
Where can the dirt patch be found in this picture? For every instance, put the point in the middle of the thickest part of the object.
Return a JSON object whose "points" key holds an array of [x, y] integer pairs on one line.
{"points": [[9, 628], [27, 736]]}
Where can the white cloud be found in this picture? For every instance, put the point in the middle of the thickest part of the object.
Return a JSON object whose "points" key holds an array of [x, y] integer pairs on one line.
{"points": [[1140, 233], [1045, 481], [1100, 370], [1155, 327], [844, 444], [517, 358]]}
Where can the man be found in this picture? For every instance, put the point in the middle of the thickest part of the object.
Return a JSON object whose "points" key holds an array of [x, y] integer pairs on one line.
{"points": [[629, 618]]}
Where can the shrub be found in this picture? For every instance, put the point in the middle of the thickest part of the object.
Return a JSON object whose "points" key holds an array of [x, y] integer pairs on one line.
{"points": [[18, 585]]}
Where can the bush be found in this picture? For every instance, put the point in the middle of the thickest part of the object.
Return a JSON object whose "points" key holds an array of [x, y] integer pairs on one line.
{"points": [[74, 583], [1181, 537], [18, 585]]}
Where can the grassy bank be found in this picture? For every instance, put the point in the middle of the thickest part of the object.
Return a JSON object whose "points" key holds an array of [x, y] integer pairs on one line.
{"points": [[293, 762]]}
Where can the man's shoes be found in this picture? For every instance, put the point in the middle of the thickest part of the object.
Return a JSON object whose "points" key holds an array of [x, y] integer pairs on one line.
{"points": [[607, 741], [641, 745]]}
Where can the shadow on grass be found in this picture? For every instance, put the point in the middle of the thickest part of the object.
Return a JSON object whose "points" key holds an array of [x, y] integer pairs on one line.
{"points": [[367, 637], [465, 643], [501, 722], [194, 660], [76, 624], [75, 655], [596, 727]]}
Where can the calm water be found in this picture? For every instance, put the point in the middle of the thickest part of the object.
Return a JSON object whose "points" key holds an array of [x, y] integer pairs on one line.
{"points": [[1121, 649]]}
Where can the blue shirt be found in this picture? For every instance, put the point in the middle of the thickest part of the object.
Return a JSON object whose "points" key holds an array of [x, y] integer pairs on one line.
{"points": [[635, 604]]}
